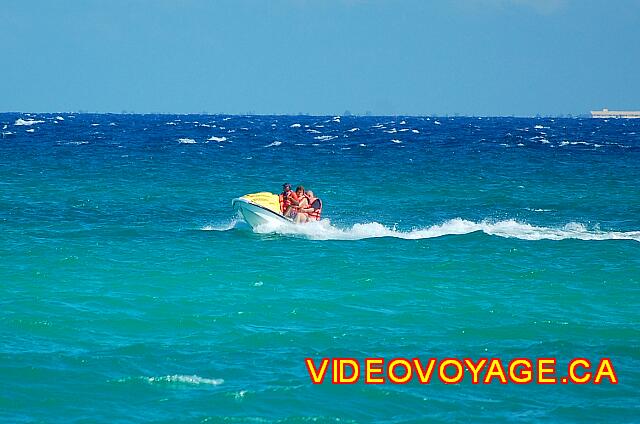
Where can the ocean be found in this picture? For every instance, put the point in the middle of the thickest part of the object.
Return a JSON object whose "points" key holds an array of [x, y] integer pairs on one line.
{"points": [[130, 291]]}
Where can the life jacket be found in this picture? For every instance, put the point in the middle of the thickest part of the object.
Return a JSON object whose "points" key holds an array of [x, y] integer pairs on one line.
{"points": [[285, 200], [304, 196], [315, 214]]}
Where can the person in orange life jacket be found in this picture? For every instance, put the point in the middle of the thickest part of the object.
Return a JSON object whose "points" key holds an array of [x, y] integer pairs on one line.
{"points": [[288, 198], [312, 211]]}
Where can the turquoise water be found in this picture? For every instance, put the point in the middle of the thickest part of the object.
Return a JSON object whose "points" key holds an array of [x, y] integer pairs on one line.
{"points": [[131, 292]]}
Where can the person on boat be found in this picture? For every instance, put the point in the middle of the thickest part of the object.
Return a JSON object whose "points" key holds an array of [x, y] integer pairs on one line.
{"points": [[302, 202], [303, 198], [288, 198], [311, 211]]}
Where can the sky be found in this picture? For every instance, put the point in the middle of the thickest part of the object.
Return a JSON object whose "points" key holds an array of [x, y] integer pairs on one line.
{"points": [[321, 57]]}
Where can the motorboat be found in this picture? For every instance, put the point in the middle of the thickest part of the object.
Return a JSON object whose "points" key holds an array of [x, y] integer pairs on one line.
{"points": [[261, 208]]}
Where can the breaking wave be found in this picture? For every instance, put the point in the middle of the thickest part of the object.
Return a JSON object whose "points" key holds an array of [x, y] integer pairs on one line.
{"points": [[323, 230]]}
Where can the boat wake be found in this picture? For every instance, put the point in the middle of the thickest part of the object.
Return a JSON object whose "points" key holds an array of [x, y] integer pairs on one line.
{"points": [[324, 230], [222, 227]]}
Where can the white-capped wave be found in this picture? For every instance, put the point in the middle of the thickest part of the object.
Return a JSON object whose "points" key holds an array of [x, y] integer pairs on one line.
{"points": [[313, 131], [574, 143], [29, 121], [75, 143], [323, 230], [188, 379], [59, 118], [274, 144], [218, 139], [395, 140], [295, 126], [325, 137], [540, 139], [186, 141], [177, 378], [30, 130], [415, 131], [354, 129]]}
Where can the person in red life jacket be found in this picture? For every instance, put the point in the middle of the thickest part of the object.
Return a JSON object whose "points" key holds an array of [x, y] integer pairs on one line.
{"points": [[288, 199], [312, 211]]}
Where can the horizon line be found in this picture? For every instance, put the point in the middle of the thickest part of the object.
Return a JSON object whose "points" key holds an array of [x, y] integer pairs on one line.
{"points": [[342, 115]]}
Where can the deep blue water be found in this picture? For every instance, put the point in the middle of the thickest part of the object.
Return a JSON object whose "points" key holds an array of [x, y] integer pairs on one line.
{"points": [[129, 290]]}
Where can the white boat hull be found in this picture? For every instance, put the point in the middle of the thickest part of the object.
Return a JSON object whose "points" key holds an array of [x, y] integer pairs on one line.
{"points": [[256, 215]]}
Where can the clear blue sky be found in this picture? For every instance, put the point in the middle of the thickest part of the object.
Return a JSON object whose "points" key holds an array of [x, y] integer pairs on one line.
{"points": [[468, 57]]}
